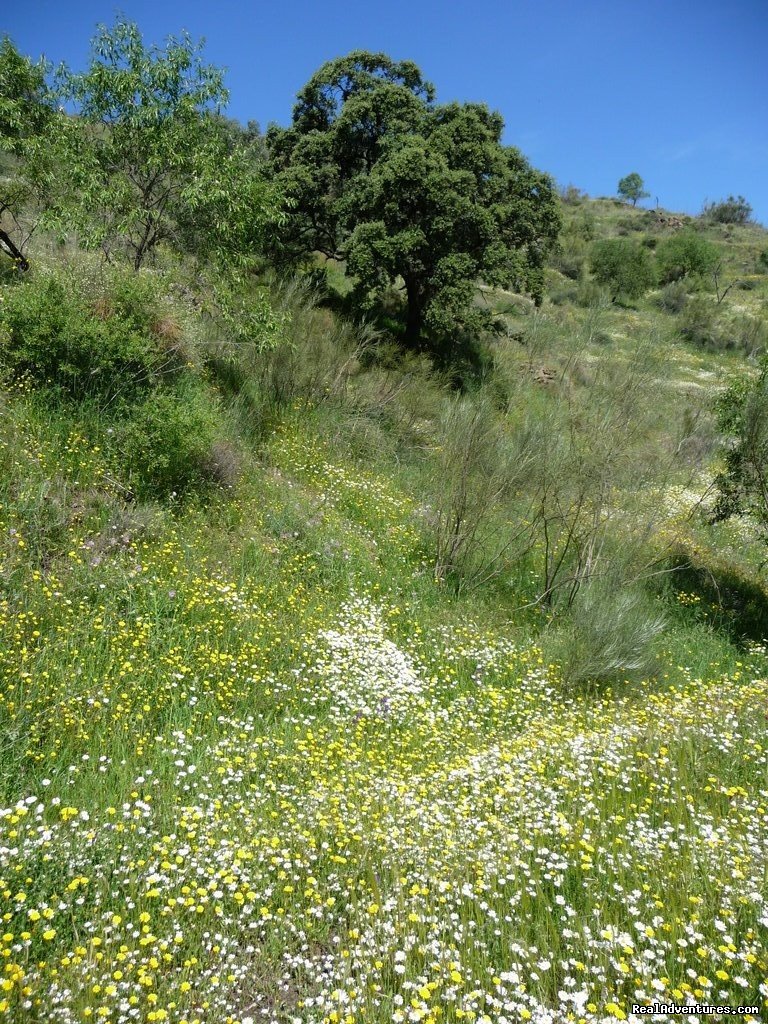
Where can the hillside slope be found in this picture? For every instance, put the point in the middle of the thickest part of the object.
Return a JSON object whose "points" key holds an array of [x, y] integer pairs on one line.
{"points": [[280, 743]]}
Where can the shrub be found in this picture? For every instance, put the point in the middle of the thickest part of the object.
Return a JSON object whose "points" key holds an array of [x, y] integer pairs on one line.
{"points": [[673, 297], [570, 261], [623, 266], [582, 226], [703, 324], [313, 362], [733, 210], [166, 445], [748, 284], [626, 225], [749, 334], [742, 417], [573, 196], [685, 255], [699, 322], [562, 293], [222, 463], [762, 262], [50, 335], [610, 633], [590, 294]]}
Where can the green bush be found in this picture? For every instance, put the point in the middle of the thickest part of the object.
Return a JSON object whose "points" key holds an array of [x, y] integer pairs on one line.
{"points": [[703, 323], [570, 261], [610, 633], [742, 417], [685, 255], [583, 225], [166, 443], [749, 334], [673, 297], [629, 224], [49, 333], [590, 294], [573, 196], [762, 262], [700, 322], [624, 266], [733, 210]]}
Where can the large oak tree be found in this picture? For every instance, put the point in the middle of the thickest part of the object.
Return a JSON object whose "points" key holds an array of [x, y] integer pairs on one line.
{"points": [[410, 193]]}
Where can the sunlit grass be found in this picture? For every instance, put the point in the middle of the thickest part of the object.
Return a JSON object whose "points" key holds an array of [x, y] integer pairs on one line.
{"points": [[259, 764]]}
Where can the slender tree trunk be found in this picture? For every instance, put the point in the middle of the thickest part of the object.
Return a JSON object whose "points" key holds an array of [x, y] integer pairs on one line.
{"points": [[7, 243], [414, 320]]}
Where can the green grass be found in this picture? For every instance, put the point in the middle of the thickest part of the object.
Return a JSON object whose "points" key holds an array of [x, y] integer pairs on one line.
{"points": [[258, 762]]}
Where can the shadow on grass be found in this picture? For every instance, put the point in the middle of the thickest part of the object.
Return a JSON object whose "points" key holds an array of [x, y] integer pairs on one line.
{"points": [[729, 601]]}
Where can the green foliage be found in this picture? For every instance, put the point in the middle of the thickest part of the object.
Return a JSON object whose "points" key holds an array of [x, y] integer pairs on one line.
{"points": [[590, 294], [311, 364], [244, 313], [733, 601], [110, 353], [573, 196], [762, 261], [733, 210], [631, 187], [570, 256], [700, 322], [26, 112], [409, 192], [686, 254], [611, 633], [167, 441], [147, 161], [742, 416], [625, 267], [479, 465], [673, 297], [749, 334], [51, 335], [25, 100]]}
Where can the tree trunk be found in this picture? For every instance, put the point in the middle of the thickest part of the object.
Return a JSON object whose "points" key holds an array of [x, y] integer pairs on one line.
{"points": [[414, 319], [7, 243]]}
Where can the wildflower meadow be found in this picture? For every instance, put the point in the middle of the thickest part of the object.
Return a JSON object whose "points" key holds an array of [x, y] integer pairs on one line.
{"points": [[251, 775]]}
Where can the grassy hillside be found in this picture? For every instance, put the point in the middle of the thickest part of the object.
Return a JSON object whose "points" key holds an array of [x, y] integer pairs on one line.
{"points": [[337, 687]]}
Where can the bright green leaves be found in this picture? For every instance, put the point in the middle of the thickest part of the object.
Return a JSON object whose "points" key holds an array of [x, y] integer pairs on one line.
{"points": [[25, 101], [148, 158], [687, 254], [623, 266]]}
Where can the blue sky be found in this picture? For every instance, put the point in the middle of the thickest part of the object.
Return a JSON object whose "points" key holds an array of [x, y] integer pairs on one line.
{"points": [[589, 89]]}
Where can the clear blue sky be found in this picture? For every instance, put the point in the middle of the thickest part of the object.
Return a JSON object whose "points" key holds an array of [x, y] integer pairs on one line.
{"points": [[589, 89]]}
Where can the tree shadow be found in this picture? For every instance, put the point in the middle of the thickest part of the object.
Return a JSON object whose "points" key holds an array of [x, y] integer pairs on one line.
{"points": [[732, 603]]}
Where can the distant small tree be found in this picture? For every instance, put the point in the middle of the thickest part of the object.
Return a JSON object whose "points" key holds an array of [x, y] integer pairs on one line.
{"points": [[686, 255], [631, 187], [733, 210], [625, 267]]}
